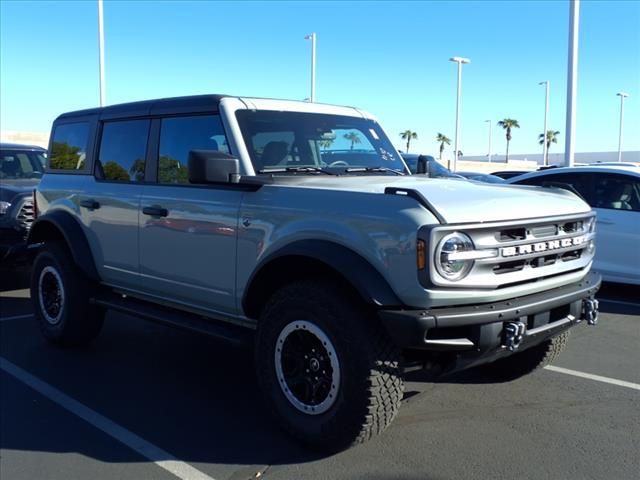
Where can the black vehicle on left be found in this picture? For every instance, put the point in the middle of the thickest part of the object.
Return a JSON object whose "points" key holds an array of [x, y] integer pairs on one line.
{"points": [[21, 167]]}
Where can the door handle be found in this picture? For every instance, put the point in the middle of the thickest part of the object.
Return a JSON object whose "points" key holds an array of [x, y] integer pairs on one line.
{"points": [[91, 204], [155, 211]]}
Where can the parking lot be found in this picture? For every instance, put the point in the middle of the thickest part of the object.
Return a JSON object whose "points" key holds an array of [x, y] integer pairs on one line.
{"points": [[145, 401]]}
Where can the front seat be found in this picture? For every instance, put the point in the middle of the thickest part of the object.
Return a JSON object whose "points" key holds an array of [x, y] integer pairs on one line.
{"points": [[274, 154]]}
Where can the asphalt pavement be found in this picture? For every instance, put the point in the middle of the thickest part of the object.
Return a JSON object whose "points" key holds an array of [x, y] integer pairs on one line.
{"points": [[144, 401]]}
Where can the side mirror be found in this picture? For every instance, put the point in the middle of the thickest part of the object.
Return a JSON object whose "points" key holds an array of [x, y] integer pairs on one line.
{"points": [[212, 166], [423, 165]]}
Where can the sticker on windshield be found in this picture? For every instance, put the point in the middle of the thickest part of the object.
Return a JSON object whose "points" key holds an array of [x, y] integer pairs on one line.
{"points": [[374, 134]]}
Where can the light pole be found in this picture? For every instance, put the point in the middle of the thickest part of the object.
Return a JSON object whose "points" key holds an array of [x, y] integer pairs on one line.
{"points": [[312, 37], [459, 61], [572, 82], [489, 122], [103, 93], [622, 96], [546, 113]]}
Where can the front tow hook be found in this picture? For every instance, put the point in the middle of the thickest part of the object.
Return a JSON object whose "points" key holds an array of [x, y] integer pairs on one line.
{"points": [[590, 310], [513, 333]]}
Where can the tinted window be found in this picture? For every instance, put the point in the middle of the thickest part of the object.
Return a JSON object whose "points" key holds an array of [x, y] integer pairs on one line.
{"points": [[616, 192], [122, 151], [180, 135], [69, 147], [15, 164], [580, 181]]}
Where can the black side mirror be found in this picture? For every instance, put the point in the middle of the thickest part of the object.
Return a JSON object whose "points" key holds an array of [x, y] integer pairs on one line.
{"points": [[212, 166], [423, 165]]}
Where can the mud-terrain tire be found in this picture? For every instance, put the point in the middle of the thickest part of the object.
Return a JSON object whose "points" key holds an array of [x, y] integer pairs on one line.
{"points": [[337, 411], [60, 295], [526, 362]]}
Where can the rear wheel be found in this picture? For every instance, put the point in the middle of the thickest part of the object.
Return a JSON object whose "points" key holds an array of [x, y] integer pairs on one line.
{"points": [[523, 363], [60, 294], [327, 369]]}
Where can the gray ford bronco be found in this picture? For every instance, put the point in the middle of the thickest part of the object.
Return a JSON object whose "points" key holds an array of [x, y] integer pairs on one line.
{"points": [[297, 227]]}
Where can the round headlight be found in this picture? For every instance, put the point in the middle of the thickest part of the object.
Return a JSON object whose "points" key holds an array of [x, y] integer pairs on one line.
{"points": [[447, 265]]}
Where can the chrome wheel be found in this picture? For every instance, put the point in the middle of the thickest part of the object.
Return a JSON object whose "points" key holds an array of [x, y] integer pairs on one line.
{"points": [[307, 367], [51, 295]]}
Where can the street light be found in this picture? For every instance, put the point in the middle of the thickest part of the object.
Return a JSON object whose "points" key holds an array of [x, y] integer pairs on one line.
{"points": [[546, 113], [312, 37], [459, 61], [572, 82], [622, 96], [489, 122], [103, 93]]}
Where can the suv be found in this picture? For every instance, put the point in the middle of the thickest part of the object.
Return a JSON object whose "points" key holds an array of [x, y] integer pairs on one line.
{"points": [[298, 228], [21, 167]]}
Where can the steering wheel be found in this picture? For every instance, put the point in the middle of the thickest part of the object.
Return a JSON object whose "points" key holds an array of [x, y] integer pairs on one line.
{"points": [[339, 163]]}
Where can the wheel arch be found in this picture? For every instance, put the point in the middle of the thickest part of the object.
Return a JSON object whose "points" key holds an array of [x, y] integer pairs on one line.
{"points": [[61, 226], [310, 259]]}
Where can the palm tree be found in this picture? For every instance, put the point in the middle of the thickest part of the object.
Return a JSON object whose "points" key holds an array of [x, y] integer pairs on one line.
{"points": [[442, 139], [508, 124], [408, 135], [353, 137], [552, 137]]}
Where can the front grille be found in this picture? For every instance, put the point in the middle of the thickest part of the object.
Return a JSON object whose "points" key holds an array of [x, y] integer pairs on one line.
{"points": [[522, 251], [26, 215]]}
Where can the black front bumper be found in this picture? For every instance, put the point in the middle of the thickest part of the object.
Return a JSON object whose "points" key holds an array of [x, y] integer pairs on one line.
{"points": [[479, 330]]}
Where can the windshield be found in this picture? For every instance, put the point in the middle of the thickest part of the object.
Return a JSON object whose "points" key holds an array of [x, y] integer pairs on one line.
{"points": [[18, 164], [294, 141]]}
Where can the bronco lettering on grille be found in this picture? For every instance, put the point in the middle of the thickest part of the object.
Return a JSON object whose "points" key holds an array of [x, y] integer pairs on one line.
{"points": [[542, 246]]}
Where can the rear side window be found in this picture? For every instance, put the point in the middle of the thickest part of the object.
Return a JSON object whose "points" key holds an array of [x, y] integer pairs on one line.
{"points": [[69, 147], [178, 136], [123, 148]]}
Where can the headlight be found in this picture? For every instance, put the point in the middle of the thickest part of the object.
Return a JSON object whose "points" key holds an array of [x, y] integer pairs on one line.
{"points": [[447, 264], [590, 225], [4, 206]]}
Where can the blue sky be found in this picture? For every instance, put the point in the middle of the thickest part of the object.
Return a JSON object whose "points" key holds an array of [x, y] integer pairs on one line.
{"points": [[390, 58]]}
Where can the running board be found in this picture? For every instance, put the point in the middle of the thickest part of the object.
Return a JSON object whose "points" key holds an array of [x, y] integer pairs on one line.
{"points": [[227, 332]]}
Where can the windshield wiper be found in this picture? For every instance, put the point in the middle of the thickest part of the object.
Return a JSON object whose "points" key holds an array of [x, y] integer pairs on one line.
{"points": [[373, 169], [296, 170]]}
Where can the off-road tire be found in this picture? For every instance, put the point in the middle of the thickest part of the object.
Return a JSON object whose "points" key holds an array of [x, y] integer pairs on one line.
{"points": [[371, 370], [78, 321], [528, 361]]}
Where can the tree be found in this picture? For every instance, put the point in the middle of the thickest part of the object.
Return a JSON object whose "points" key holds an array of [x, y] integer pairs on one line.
{"points": [[114, 171], [408, 135], [66, 157], [442, 139], [353, 137], [552, 137], [508, 124]]}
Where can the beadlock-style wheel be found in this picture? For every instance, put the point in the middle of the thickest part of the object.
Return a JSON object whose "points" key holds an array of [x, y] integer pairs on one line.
{"points": [[51, 294], [307, 367]]}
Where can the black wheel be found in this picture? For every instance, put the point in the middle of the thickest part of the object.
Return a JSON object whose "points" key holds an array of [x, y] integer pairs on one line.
{"points": [[326, 367], [523, 363], [60, 295]]}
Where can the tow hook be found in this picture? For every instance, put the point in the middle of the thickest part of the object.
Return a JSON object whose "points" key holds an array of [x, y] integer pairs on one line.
{"points": [[590, 310], [513, 333]]}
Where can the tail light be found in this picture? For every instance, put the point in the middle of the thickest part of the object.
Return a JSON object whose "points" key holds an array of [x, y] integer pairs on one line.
{"points": [[35, 206]]}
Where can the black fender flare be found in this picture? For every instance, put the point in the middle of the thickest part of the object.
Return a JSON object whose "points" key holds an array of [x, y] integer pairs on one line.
{"points": [[364, 277], [71, 231]]}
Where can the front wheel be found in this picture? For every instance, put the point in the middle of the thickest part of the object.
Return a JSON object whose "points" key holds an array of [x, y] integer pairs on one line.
{"points": [[60, 294], [327, 369], [523, 363]]}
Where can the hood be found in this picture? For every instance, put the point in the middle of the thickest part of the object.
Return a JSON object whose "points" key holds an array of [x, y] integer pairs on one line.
{"points": [[462, 201], [11, 188]]}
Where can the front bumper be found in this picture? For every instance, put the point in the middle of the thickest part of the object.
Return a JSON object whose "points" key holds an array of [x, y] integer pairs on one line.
{"points": [[483, 331]]}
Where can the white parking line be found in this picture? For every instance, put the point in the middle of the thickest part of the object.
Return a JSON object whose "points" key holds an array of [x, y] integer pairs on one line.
{"points": [[597, 378], [15, 317], [155, 454]]}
